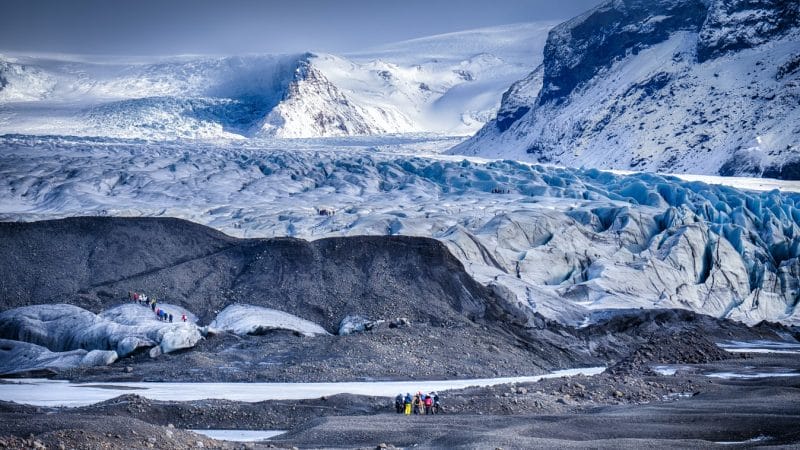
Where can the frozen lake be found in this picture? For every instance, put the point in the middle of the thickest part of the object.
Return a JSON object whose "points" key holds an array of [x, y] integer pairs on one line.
{"points": [[240, 435], [43, 392], [761, 347]]}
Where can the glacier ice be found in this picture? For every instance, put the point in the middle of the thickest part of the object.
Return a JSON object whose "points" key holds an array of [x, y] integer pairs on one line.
{"points": [[562, 242], [17, 357], [355, 323], [123, 329], [249, 319]]}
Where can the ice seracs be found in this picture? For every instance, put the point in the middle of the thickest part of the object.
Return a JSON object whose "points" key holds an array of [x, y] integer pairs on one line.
{"points": [[560, 242]]}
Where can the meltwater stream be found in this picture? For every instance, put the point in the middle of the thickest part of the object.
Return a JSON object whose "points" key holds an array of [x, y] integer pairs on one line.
{"points": [[42, 392]]}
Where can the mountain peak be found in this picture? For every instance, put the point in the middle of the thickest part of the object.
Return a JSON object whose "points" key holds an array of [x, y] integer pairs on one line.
{"points": [[684, 86]]}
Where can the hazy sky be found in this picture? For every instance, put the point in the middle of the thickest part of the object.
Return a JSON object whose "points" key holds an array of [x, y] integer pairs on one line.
{"points": [[163, 27]]}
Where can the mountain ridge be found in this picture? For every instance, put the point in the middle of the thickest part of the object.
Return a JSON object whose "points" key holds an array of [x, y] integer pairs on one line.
{"points": [[689, 87]]}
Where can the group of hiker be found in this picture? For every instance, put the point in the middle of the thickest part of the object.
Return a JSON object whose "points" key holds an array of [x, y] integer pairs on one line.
{"points": [[144, 300], [419, 403]]}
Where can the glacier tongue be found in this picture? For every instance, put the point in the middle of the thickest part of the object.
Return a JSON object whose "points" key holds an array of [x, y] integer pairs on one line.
{"points": [[562, 242]]}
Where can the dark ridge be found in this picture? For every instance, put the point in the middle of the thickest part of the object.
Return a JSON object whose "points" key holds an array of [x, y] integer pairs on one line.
{"points": [[94, 262]]}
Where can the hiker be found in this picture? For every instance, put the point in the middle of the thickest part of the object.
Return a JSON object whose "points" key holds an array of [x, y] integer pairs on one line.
{"points": [[170, 318], [398, 403], [183, 317], [153, 306], [407, 404], [415, 404], [428, 404], [437, 407]]}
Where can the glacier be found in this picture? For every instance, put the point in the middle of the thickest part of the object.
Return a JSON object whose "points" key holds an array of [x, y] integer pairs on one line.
{"points": [[566, 243]]}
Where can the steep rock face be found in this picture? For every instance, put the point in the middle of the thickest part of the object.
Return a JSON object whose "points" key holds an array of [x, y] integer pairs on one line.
{"points": [[518, 99], [579, 49], [670, 86]]}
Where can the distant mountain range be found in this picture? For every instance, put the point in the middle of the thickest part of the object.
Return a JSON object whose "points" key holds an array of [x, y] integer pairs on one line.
{"points": [[449, 84], [685, 86], [675, 86]]}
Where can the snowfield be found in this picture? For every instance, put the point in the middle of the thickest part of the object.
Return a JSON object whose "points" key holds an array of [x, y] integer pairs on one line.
{"points": [[566, 243], [449, 85]]}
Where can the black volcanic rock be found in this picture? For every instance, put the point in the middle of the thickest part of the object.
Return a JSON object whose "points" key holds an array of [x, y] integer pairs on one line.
{"points": [[95, 262], [733, 25]]}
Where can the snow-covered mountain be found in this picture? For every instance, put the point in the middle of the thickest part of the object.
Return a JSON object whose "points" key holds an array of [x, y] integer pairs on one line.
{"points": [[683, 86], [449, 84]]}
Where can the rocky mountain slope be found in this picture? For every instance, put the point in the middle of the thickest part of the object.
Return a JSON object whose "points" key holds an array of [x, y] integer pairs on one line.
{"points": [[449, 84], [683, 86]]}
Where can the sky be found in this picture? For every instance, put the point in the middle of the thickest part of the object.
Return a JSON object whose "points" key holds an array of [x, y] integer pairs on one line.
{"points": [[172, 27]]}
